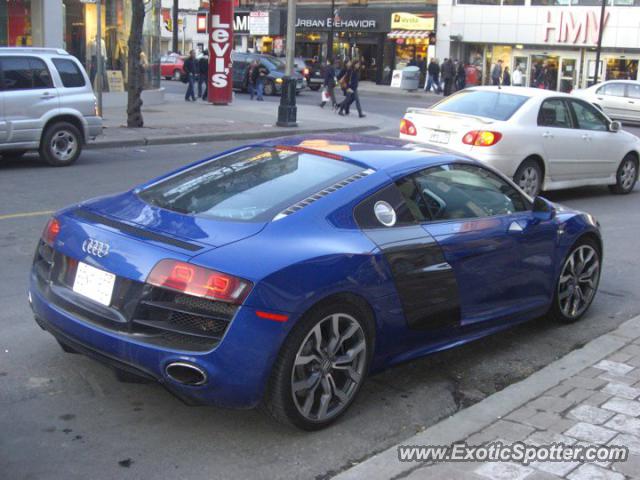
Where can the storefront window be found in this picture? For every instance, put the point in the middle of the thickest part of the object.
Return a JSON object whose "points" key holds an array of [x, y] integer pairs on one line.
{"points": [[80, 38], [15, 23], [474, 64], [621, 69]]}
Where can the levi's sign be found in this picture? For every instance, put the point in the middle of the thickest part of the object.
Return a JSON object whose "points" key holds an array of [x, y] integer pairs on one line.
{"points": [[220, 39], [568, 26]]}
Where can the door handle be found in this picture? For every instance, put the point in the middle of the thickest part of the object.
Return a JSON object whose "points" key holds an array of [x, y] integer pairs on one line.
{"points": [[547, 135], [46, 96], [586, 137], [631, 102]]}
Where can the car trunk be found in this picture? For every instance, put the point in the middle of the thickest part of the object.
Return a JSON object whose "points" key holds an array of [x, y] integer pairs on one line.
{"points": [[445, 129]]}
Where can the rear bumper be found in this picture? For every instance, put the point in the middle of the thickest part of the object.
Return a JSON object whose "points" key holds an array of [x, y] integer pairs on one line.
{"points": [[505, 163], [237, 369], [93, 127]]}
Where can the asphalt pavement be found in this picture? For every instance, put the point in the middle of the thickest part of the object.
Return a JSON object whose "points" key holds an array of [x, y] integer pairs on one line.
{"points": [[65, 416]]}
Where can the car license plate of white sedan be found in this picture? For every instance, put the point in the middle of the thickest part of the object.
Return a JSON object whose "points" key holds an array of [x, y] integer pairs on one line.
{"points": [[438, 136], [94, 283]]}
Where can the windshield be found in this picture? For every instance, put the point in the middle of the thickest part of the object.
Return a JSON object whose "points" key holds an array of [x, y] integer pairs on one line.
{"points": [[272, 63], [250, 185], [495, 105]]}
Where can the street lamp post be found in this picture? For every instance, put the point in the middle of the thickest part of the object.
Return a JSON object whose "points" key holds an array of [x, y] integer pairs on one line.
{"points": [[99, 59], [287, 110], [332, 30], [599, 46]]}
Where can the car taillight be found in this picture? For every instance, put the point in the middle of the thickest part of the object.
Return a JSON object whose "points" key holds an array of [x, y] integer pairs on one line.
{"points": [[481, 138], [51, 231], [305, 71], [407, 127], [198, 281]]}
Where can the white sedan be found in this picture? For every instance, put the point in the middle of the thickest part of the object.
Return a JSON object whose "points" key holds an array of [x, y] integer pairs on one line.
{"points": [[544, 140], [619, 99]]}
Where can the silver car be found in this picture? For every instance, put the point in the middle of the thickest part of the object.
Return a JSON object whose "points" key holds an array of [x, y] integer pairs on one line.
{"points": [[619, 99], [46, 104]]}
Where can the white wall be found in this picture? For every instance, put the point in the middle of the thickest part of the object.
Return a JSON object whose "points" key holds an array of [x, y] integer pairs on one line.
{"points": [[46, 19]]}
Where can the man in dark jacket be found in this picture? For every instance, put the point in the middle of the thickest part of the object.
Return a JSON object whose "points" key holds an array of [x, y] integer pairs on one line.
{"points": [[352, 92], [191, 70], [203, 74], [448, 74], [433, 76], [329, 83], [259, 76], [461, 77], [496, 73]]}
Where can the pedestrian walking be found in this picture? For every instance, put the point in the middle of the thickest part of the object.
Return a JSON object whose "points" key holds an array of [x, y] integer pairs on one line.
{"points": [[448, 74], [329, 84], [250, 79], [352, 92], [496, 73], [461, 77], [203, 74], [506, 77], [433, 76], [191, 71], [517, 78], [259, 73]]}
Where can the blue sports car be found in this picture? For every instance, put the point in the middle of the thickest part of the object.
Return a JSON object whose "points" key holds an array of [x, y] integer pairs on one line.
{"points": [[281, 274]]}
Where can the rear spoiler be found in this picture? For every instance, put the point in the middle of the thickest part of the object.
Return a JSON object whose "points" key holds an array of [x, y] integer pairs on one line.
{"points": [[436, 113]]}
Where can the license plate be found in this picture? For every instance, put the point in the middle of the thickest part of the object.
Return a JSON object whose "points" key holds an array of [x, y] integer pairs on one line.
{"points": [[94, 283], [439, 137]]}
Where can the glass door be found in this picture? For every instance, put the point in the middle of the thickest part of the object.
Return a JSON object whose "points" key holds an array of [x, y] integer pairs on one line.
{"points": [[567, 74], [520, 69]]}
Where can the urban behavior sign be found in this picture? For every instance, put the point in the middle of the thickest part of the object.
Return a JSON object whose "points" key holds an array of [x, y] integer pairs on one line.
{"points": [[220, 85]]}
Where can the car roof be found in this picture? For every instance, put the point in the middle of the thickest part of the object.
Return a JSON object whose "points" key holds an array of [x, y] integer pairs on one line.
{"points": [[379, 153], [34, 50], [525, 91]]}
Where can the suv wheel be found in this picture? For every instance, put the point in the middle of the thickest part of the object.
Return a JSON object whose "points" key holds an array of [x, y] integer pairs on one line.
{"points": [[269, 89], [321, 367], [61, 144]]}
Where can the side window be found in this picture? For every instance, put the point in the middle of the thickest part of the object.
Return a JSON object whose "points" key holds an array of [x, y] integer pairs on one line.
{"points": [[17, 73], [458, 191], [385, 208], [633, 90], [69, 72], [22, 73], [554, 113], [612, 89], [588, 117]]}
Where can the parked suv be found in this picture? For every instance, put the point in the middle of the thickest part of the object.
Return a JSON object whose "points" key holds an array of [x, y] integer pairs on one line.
{"points": [[46, 104], [273, 82]]}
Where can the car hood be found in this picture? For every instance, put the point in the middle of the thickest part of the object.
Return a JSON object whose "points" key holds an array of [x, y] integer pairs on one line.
{"points": [[130, 209]]}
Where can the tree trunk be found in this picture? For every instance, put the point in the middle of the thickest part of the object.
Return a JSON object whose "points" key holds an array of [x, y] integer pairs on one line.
{"points": [[135, 70]]}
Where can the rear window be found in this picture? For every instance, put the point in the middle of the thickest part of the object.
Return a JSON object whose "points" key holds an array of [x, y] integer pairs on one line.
{"points": [[70, 74], [251, 185], [495, 105]]}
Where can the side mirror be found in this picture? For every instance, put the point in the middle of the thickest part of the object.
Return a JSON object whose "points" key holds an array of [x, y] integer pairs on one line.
{"points": [[615, 126], [543, 209]]}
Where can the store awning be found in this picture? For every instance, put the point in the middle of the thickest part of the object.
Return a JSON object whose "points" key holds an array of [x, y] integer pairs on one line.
{"points": [[408, 34]]}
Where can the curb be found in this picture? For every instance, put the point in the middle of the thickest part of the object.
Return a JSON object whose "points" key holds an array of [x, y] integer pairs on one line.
{"points": [[213, 137], [385, 465]]}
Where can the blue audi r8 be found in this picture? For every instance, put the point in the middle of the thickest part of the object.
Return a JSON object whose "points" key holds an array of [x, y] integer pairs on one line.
{"points": [[281, 274]]}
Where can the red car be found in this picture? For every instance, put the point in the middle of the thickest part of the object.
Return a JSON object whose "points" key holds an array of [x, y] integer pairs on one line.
{"points": [[171, 66]]}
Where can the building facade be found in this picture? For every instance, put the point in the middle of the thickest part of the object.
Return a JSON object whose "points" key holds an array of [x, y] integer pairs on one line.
{"points": [[552, 42]]}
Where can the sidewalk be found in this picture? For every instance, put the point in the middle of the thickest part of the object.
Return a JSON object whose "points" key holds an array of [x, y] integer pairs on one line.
{"points": [[373, 88], [177, 121], [588, 397]]}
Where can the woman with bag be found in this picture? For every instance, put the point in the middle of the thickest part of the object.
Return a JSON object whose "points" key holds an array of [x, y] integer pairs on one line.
{"points": [[329, 85]]}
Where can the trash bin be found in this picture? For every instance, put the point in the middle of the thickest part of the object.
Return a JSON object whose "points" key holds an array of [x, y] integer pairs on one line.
{"points": [[410, 78]]}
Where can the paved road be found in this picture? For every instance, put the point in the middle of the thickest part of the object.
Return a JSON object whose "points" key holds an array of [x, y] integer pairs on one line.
{"points": [[64, 416]]}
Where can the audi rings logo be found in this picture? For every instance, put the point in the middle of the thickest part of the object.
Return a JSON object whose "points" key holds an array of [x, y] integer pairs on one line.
{"points": [[95, 247]]}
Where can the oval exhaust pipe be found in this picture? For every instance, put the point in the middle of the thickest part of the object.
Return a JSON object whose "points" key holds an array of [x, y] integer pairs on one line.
{"points": [[186, 374]]}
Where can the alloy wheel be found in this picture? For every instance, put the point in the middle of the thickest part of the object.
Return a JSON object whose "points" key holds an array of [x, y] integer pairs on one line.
{"points": [[64, 145], [328, 367], [628, 174], [529, 181], [578, 281]]}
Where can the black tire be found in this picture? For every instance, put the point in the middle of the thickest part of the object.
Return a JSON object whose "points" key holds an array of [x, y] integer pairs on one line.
{"points": [[279, 400], [557, 312], [61, 144], [315, 88], [529, 177], [177, 74], [13, 154], [626, 175], [168, 78], [269, 88]]}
